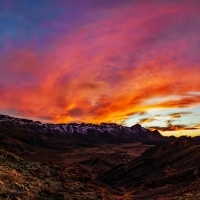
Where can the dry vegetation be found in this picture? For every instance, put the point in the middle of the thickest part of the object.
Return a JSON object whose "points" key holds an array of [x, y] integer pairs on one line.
{"points": [[172, 172], [66, 177]]}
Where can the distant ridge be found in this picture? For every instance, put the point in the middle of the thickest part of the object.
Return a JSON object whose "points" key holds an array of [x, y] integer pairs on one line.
{"points": [[39, 134]]}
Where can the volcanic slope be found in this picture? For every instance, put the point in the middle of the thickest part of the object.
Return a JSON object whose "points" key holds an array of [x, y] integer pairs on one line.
{"points": [[163, 172], [21, 179]]}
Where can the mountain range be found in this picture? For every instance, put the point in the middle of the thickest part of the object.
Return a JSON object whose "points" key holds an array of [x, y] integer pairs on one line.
{"points": [[58, 136]]}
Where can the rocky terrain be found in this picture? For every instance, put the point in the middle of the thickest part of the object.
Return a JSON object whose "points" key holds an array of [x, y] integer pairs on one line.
{"points": [[169, 171], [87, 161], [20, 179], [162, 172]]}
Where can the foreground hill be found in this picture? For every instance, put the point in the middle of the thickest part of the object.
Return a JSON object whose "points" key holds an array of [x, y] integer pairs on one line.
{"points": [[21, 179], [169, 171]]}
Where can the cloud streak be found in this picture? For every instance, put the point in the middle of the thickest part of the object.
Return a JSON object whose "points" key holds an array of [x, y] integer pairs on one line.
{"points": [[179, 114], [173, 128], [146, 120]]}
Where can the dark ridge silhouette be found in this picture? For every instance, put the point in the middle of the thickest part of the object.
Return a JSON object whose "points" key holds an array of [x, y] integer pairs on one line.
{"points": [[15, 131], [170, 166]]}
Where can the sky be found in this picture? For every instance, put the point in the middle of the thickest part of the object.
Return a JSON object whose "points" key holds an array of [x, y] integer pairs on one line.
{"points": [[93, 61]]}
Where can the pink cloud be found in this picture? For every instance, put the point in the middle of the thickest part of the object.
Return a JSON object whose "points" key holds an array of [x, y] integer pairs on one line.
{"points": [[104, 70]]}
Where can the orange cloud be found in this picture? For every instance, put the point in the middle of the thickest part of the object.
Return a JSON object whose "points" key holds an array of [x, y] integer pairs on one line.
{"points": [[182, 103], [172, 128], [146, 120], [179, 114], [104, 71]]}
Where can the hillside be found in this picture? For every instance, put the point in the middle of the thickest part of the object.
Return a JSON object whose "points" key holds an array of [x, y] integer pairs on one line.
{"points": [[21, 179], [168, 171]]}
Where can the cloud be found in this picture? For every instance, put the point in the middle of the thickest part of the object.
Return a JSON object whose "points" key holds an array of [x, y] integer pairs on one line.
{"points": [[181, 103], [105, 68], [168, 123], [197, 126], [174, 127], [75, 112], [146, 120], [179, 114], [142, 113]]}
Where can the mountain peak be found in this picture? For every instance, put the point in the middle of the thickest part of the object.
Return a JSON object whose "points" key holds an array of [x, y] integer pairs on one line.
{"points": [[136, 126]]}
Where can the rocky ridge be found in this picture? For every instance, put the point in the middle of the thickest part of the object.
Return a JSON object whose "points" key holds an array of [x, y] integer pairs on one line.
{"points": [[47, 134]]}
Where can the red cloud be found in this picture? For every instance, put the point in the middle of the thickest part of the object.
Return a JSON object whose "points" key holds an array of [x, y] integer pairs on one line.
{"points": [[107, 69]]}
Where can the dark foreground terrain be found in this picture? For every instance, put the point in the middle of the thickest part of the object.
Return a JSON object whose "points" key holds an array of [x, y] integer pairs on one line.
{"points": [[169, 171], [54, 174], [45, 161], [20, 179], [163, 172]]}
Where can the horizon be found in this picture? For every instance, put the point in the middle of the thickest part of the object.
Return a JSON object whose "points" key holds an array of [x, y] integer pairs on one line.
{"points": [[123, 61], [80, 123]]}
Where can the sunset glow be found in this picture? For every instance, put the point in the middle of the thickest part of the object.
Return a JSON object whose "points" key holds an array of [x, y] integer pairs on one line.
{"points": [[90, 61]]}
